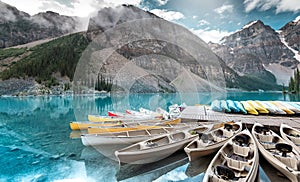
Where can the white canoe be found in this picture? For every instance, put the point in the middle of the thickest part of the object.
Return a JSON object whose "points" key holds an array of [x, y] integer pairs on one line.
{"points": [[126, 137], [212, 141], [158, 148], [237, 160], [277, 151], [271, 107], [291, 135]]}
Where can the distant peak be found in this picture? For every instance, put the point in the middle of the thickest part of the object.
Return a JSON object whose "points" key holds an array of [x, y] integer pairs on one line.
{"points": [[252, 23]]}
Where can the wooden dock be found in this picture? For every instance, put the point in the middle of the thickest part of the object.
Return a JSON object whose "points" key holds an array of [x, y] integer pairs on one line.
{"points": [[203, 113]]}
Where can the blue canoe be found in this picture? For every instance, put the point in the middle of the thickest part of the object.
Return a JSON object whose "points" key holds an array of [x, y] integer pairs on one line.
{"points": [[232, 106]]}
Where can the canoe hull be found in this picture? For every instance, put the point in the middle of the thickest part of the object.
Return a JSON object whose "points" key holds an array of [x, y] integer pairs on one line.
{"points": [[222, 158], [285, 137], [94, 140], [152, 155], [290, 174], [196, 150], [198, 153]]}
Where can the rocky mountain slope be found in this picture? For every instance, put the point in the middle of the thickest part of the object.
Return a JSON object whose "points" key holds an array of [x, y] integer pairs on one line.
{"points": [[17, 27], [259, 50], [290, 33], [160, 60], [152, 64]]}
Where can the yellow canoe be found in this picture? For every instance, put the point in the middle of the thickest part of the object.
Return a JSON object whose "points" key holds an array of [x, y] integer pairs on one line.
{"points": [[261, 109], [250, 109], [282, 107], [94, 118], [85, 125], [119, 129]]}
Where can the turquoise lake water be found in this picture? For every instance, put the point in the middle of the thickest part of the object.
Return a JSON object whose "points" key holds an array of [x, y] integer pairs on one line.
{"points": [[35, 143]]}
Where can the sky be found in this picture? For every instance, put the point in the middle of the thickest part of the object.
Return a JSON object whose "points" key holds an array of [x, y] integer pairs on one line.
{"points": [[209, 19]]}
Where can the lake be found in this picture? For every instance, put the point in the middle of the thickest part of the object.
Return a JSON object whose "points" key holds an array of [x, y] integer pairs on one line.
{"points": [[35, 143]]}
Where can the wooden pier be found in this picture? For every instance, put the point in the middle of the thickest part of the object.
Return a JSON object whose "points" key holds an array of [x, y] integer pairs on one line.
{"points": [[203, 113]]}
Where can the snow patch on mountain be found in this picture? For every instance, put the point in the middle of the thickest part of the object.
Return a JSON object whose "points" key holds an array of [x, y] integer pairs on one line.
{"points": [[297, 55], [249, 24], [297, 19]]}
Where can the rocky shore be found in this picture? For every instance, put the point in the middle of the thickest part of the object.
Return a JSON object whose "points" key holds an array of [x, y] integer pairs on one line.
{"points": [[21, 87]]}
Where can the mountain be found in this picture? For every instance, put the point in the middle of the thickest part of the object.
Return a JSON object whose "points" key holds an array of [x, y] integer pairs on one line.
{"points": [[290, 33], [143, 60], [257, 49], [17, 27], [160, 60]]}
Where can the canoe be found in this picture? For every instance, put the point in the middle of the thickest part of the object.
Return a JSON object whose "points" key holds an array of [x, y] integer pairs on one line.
{"points": [[237, 160], [250, 109], [98, 118], [212, 141], [126, 137], [224, 106], [294, 105], [158, 148], [240, 106], [85, 125], [139, 126], [271, 107], [291, 135], [116, 114], [277, 151], [232, 106], [119, 129], [216, 106], [282, 107], [290, 107], [149, 112], [260, 109]]}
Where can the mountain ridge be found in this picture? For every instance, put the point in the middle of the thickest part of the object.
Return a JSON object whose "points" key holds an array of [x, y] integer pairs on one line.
{"points": [[18, 27], [256, 49], [244, 64]]}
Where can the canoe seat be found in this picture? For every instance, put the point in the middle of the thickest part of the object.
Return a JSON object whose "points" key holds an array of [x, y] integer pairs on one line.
{"points": [[289, 161], [227, 133], [220, 135], [177, 136], [219, 138], [242, 151], [237, 162], [264, 138]]}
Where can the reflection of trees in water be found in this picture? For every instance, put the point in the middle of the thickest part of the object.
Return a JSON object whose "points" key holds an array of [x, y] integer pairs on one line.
{"points": [[294, 97], [103, 104]]}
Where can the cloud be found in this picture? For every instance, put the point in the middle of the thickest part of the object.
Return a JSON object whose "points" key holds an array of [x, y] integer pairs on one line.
{"points": [[224, 8], [203, 22], [162, 2], [279, 5], [211, 35], [81, 8], [195, 17], [168, 15]]}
